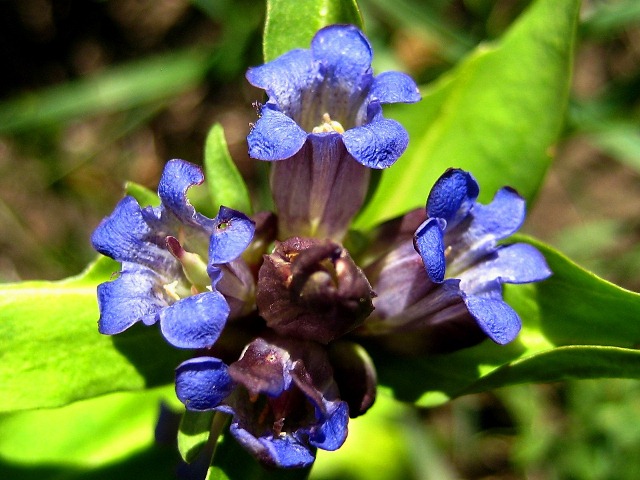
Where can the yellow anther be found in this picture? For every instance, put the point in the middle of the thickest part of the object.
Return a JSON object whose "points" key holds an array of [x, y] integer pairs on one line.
{"points": [[328, 125]]}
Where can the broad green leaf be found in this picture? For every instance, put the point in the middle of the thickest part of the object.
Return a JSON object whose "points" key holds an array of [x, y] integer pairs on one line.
{"points": [[194, 432], [292, 25], [52, 354], [96, 431], [496, 114], [575, 325], [226, 185]]}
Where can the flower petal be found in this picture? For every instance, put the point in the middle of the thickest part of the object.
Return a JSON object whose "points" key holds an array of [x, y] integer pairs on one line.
{"points": [[283, 452], [284, 79], [499, 219], [195, 322], [377, 144], [452, 196], [125, 236], [202, 383], [128, 299], [232, 235], [497, 319], [517, 263], [275, 136], [429, 243], [177, 177], [345, 56], [394, 87], [331, 434]]}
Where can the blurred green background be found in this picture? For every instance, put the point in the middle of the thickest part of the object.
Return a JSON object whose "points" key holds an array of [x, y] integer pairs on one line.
{"points": [[94, 93]]}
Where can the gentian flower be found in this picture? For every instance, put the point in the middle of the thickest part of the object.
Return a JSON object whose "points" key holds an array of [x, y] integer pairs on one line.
{"points": [[281, 394], [451, 290], [323, 126], [172, 259]]}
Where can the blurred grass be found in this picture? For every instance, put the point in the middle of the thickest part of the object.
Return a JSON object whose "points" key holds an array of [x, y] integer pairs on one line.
{"points": [[88, 106]]}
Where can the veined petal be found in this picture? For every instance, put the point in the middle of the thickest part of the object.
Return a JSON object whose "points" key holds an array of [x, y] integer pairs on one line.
{"points": [[499, 219], [497, 319], [394, 87], [275, 136], [177, 177], [285, 78], [202, 383], [232, 234], [517, 263], [128, 299], [195, 322], [331, 434], [345, 56], [377, 144], [429, 243], [283, 452], [452, 196]]}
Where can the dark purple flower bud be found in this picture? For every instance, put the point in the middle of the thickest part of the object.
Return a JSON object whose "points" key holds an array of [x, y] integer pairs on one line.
{"points": [[286, 403], [312, 289]]}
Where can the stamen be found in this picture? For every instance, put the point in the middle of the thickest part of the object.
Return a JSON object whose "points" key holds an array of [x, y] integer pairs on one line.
{"points": [[170, 289], [328, 125]]}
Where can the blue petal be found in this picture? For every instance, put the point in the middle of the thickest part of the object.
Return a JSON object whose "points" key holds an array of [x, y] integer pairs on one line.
{"points": [[345, 55], [333, 432], [499, 219], [517, 263], [231, 236], [285, 78], [283, 452], [377, 144], [177, 177], [429, 243], [125, 236], [497, 319], [275, 136], [452, 196], [202, 383], [394, 87], [128, 299], [195, 322]]}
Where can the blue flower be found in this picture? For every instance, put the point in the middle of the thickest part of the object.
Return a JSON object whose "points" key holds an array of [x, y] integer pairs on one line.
{"points": [[281, 394], [459, 247], [172, 259], [323, 126], [330, 89]]}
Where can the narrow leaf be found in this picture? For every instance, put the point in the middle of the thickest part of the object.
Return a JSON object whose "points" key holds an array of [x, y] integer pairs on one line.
{"points": [[223, 178], [52, 353], [496, 115], [292, 25], [194, 432]]}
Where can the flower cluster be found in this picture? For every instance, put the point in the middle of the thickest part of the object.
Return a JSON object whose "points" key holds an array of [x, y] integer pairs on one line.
{"points": [[276, 337]]}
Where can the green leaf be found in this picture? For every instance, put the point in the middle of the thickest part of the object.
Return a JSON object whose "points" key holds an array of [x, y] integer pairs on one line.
{"points": [[496, 114], [194, 432], [226, 185], [93, 432], [52, 353], [292, 25], [575, 325]]}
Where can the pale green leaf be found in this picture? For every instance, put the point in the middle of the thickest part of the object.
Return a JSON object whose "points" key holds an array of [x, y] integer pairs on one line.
{"points": [[52, 354], [496, 114]]}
